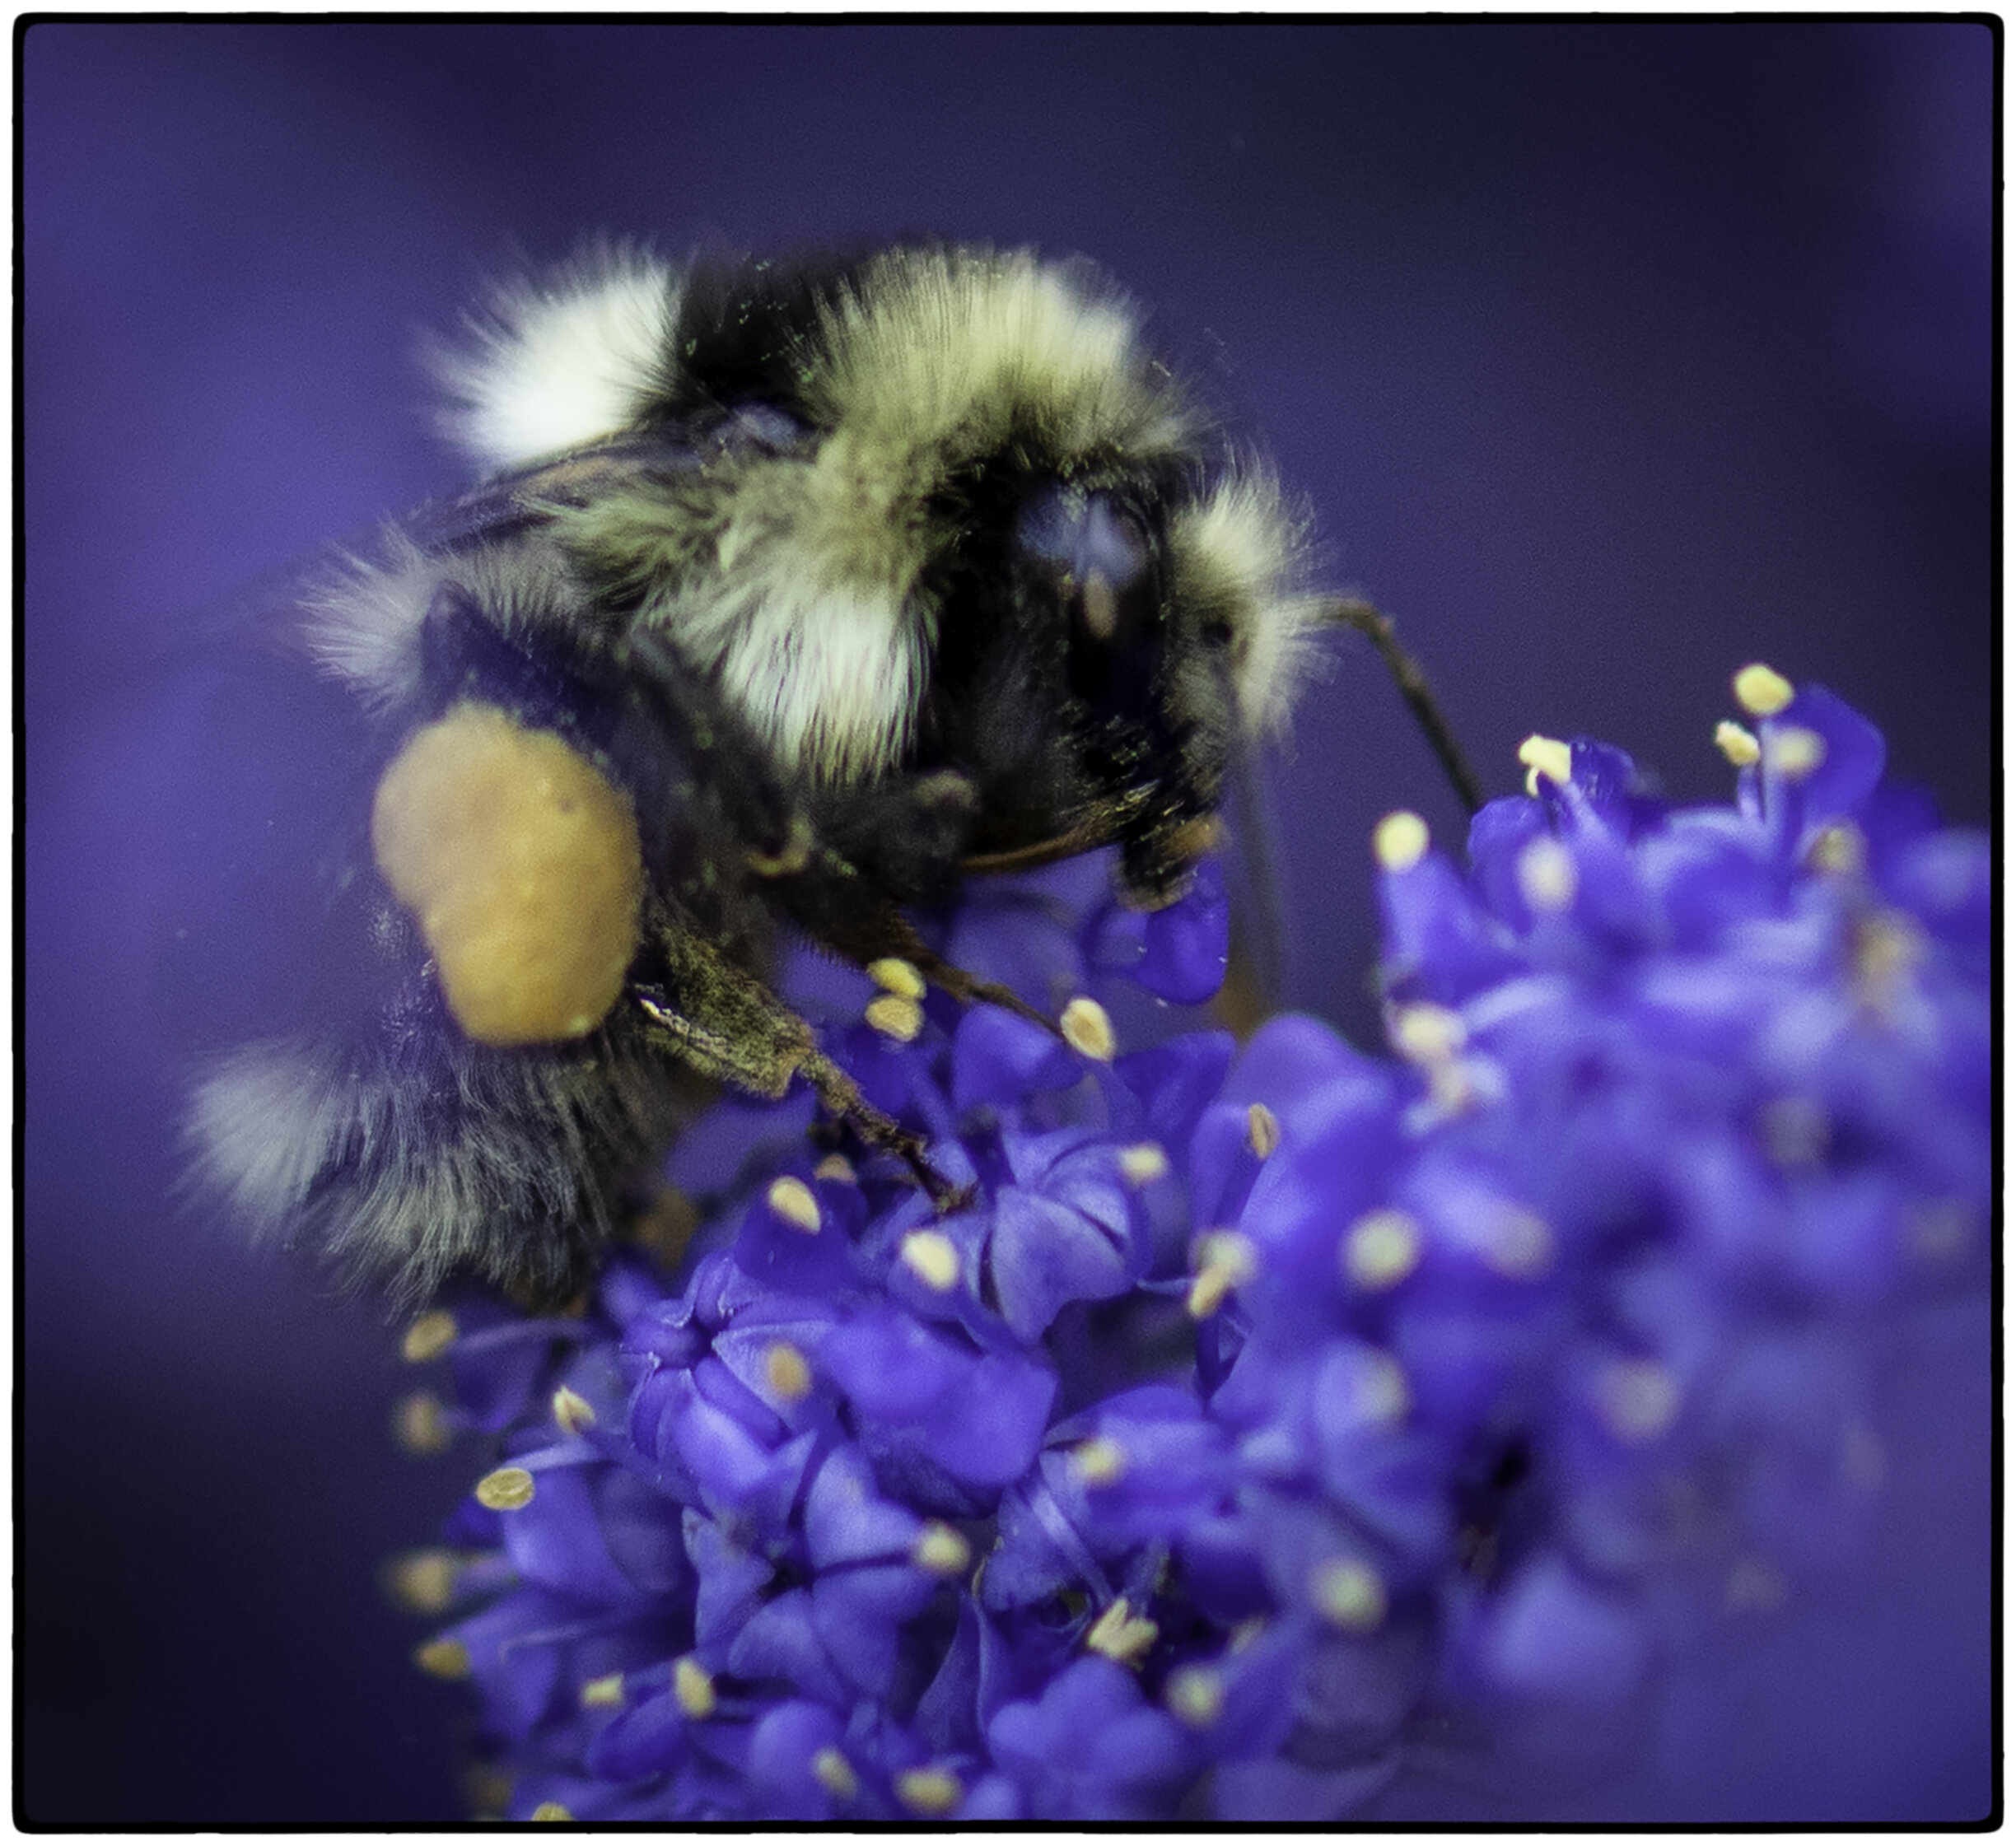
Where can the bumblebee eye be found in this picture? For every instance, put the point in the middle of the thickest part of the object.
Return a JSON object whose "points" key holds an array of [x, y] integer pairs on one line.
{"points": [[1100, 563]]}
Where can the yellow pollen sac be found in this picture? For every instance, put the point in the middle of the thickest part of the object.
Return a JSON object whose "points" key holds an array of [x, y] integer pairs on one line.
{"points": [[422, 1583], [1100, 1461], [520, 862], [693, 1687], [1518, 1242], [574, 1414], [1794, 752], [836, 1774], [430, 1335], [1143, 1164], [598, 1693], [788, 1372], [1088, 1031], [1387, 1397], [420, 1425], [895, 1016], [1263, 1129], [1548, 878], [1381, 1248], [443, 1658], [1885, 949], [933, 1258], [1195, 1695], [1400, 841], [554, 1810], [1761, 691], [793, 1201], [929, 1790], [1839, 850], [1120, 1634], [898, 976], [1739, 746], [1939, 1229], [505, 1490], [942, 1550], [1348, 1595], [1425, 1033], [1638, 1399], [1225, 1261], [1544, 756]]}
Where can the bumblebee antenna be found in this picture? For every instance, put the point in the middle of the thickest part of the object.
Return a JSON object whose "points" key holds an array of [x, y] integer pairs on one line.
{"points": [[1353, 612]]}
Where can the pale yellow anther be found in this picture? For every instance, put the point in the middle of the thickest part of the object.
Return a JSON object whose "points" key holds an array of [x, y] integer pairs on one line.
{"points": [[1195, 1695], [505, 1490], [942, 1550], [1143, 1164], [1098, 1461], [1839, 850], [793, 1201], [1263, 1129], [836, 1774], [1381, 1248], [1425, 1033], [693, 1686], [1120, 1634], [895, 1016], [574, 1414], [836, 1167], [1518, 1242], [898, 976], [788, 1372], [931, 1792], [1638, 1399], [553, 1811], [1225, 1261], [1886, 949], [1939, 1229], [1088, 1031], [430, 1335], [1348, 1594], [1544, 756], [1761, 691], [1400, 841], [1547, 877], [598, 1694], [1795, 1131], [1739, 746], [445, 1659], [1792, 751], [420, 1425], [1387, 1398], [422, 1583], [1245, 1634], [933, 1258]]}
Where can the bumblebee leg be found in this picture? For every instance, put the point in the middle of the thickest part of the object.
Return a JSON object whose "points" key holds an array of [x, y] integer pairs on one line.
{"points": [[728, 1025]]}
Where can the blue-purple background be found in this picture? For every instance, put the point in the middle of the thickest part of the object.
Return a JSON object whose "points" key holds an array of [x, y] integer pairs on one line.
{"points": [[1613, 356]]}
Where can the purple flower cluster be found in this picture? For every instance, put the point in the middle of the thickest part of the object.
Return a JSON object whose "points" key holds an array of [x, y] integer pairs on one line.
{"points": [[1293, 1434]]}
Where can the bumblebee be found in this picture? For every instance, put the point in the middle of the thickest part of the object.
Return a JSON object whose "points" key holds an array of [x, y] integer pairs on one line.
{"points": [[789, 595]]}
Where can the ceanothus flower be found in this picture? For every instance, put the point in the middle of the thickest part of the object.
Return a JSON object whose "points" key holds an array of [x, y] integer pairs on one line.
{"points": [[1287, 1432]]}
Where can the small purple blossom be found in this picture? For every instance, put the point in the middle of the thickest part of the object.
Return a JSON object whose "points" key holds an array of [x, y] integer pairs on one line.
{"points": [[1301, 1434]]}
